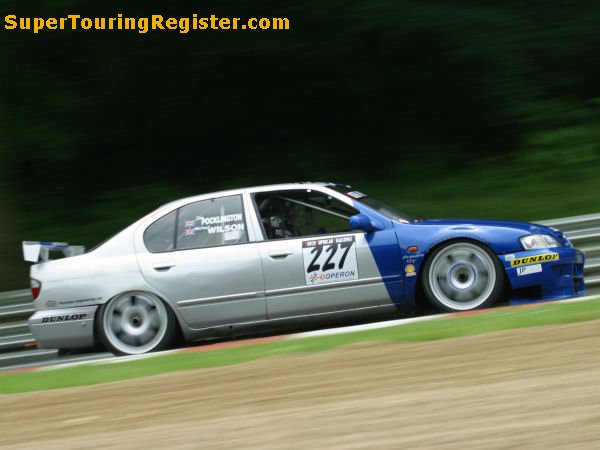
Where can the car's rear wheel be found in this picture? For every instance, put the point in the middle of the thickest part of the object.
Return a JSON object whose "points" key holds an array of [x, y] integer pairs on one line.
{"points": [[462, 276], [134, 323]]}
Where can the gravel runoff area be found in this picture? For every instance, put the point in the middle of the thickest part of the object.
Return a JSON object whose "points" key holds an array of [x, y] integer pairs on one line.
{"points": [[528, 388]]}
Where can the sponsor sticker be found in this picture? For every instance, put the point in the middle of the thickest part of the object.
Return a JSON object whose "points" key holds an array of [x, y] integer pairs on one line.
{"points": [[329, 260], [230, 225], [509, 257], [356, 195], [528, 270], [527, 260], [82, 300], [412, 258], [410, 270], [233, 235], [64, 318]]}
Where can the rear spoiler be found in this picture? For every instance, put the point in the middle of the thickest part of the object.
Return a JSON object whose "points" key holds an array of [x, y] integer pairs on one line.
{"points": [[33, 251]]}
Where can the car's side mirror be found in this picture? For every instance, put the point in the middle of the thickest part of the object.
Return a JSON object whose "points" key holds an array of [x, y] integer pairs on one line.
{"points": [[364, 223]]}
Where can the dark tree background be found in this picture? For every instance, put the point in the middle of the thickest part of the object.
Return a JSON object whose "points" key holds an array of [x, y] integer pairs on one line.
{"points": [[443, 108]]}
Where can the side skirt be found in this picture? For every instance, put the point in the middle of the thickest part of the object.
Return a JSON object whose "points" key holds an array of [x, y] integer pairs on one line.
{"points": [[295, 323]]}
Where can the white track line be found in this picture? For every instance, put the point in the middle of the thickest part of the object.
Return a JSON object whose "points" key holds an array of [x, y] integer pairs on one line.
{"points": [[579, 299], [364, 327], [107, 360]]}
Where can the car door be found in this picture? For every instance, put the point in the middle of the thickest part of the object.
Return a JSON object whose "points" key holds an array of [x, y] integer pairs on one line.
{"points": [[199, 256], [313, 263]]}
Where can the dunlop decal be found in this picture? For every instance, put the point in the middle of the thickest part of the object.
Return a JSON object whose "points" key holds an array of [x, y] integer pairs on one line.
{"points": [[65, 318], [534, 259]]}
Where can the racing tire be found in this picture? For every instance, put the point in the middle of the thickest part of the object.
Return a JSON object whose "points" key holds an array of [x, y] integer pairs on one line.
{"points": [[461, 276], [137, 322]]}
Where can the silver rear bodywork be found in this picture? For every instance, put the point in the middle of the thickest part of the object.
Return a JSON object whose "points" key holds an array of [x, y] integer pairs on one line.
{"points": [[64, 328], [209, 289]]}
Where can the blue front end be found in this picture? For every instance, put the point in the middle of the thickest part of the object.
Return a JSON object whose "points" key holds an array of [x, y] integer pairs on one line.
{"points": [[549, 274], [534, 275]]}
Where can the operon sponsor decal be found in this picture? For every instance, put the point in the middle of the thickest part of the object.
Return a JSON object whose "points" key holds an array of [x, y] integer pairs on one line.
{"points": [[329, 260]]}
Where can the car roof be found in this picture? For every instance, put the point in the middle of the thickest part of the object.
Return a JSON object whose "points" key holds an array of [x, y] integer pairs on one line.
{"points": [[263, 188]]}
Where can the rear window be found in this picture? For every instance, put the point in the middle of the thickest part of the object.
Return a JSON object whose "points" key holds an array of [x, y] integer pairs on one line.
{"points": [[160, 236]]}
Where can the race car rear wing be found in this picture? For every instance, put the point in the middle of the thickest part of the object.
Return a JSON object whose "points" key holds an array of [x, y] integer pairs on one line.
{"points": [[33, 251]]}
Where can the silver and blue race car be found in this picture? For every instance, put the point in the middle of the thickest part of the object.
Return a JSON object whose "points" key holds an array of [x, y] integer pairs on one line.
{"points": [[279, 256]]}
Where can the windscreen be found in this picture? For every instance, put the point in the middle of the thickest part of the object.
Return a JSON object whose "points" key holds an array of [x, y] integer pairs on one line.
{"points": [[372, 203]]}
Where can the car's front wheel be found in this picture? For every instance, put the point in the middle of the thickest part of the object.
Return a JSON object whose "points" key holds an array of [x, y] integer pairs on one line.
{"points": [[134, 323], [461, 276]]}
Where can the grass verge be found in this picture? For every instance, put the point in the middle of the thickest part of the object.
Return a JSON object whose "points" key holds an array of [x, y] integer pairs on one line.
{"points": [[495, 320]]}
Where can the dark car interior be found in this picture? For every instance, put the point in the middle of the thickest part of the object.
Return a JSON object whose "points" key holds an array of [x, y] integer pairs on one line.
{"points": [[296, 213]]}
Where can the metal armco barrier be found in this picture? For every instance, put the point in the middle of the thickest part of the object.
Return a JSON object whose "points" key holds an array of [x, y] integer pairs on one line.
{"points": [[584, 233], [17, 346]]}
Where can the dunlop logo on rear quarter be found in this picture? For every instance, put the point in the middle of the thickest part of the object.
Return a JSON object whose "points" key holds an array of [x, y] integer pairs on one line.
{"points": [[64, 318], [534, 259]]}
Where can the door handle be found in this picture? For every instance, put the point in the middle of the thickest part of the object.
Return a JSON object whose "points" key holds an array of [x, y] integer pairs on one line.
{"points": [[163, 266], [280, 254]]}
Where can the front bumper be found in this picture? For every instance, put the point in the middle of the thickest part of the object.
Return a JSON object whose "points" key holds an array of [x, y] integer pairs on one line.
{"points": [[548, 274], [64, 328]]}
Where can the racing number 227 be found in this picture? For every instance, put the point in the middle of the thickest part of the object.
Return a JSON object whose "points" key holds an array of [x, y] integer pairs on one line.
{"points": [[333, 248]]}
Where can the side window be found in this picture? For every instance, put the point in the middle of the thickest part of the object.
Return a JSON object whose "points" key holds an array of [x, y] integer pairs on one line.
{"points": [[212, 222], [286, 214], [160, 236]]}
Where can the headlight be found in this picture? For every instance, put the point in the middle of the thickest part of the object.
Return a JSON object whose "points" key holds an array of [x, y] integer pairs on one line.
{"points": [[534, 241]]}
